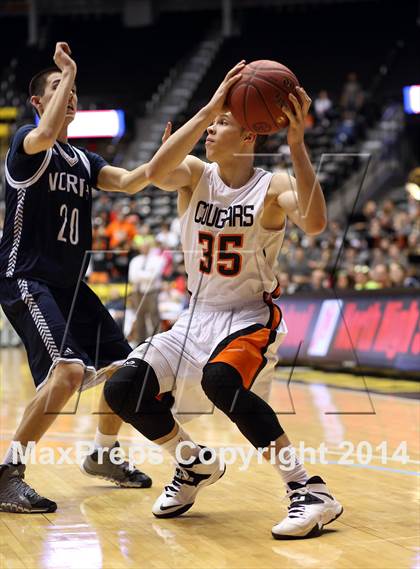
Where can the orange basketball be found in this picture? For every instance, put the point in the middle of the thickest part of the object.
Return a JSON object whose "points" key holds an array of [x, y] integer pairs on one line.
{"points": [[257, 98]]}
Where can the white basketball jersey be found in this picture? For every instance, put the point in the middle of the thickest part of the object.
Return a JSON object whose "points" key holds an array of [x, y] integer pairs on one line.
{"points": [[229, 257]]}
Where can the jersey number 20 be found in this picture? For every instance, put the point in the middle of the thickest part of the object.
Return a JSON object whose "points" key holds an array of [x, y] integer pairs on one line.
{"points": [[73, 232], [228, 263]]}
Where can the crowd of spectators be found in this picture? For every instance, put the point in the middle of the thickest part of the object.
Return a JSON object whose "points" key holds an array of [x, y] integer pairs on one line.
{"points": [[379, 249]]}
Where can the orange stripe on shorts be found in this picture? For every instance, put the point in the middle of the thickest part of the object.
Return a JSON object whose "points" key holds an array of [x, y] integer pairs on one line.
{"points": [[245, 353]]}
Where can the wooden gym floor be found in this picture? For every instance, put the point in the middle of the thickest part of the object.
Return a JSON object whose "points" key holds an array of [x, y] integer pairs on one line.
{"points": [[99, 525]]}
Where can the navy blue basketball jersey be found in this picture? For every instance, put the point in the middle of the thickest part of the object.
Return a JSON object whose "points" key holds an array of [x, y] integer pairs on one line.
{"points": [[48, 225]]}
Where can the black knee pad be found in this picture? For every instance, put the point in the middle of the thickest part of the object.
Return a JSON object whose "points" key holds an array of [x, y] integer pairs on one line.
{"points": [[132, 394], [256, 420], [221, 383], [131, 388]]}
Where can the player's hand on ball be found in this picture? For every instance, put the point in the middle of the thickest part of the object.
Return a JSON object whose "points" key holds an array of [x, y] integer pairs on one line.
{"points": [[296, 130], [217, 102], [62, 57], [168, 132]]}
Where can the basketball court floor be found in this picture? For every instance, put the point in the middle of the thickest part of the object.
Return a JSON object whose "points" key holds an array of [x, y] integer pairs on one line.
{"points": [[370, 430]]}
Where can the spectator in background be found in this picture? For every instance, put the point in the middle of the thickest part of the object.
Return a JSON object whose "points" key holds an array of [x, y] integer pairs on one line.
{"points": [[170, 304], [322, 106], [286, 286], [350, 259], [362, 219], [380, 275], [396, 255], [298, 268], [101, 262], [180, 283], [103, 203], [352, 96], [121, 231], [144, 235], [402, 227], [413, 208], [313, 252], [345, 133], [176, 227], [167, 257], [375, 233], [377, 257], [344, 281], [167, 239], [362, 277], [116, 307], [145, 274], [327, 259], [399, 276], [318, 280]]}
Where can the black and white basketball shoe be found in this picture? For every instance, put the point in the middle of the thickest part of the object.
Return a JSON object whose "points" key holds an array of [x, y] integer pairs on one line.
{"points": [[178, 496], [312, 506]]}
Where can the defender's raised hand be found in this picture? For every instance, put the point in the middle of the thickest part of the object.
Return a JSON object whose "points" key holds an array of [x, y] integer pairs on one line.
{"points": [[217, 102], [168, 132], [62, 57]]}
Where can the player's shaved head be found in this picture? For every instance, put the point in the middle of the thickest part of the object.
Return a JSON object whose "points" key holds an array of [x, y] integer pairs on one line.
{"points": [[39, 81]]}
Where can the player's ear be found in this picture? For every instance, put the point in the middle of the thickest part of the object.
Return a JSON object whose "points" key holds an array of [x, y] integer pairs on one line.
{"points": [[35, 101], [249, 137]]}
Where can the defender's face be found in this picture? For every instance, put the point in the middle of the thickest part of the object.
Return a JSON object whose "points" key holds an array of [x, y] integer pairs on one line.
{"points": [[41, 103], [225, 137]]}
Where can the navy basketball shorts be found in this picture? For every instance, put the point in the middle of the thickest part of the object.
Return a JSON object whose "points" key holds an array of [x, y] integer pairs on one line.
{"points": [[58, 325]]}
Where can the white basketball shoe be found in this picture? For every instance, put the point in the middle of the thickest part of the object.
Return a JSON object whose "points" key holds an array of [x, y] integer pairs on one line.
{"points": [[188, 480], [311, 507]]}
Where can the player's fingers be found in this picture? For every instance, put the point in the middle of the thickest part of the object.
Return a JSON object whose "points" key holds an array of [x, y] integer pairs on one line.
{"points": [[304, 93], [63, 46], [235, 69], [296, 106], [300, 96], [289, 115], [305, 98], [232, 80], [168, 131]]}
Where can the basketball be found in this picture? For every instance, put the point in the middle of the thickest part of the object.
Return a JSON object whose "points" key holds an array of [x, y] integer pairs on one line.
{"points": [[256, 99]]}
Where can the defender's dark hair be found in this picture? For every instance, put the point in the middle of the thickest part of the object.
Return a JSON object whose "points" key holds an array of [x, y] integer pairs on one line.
{"points": [[38, 81]]}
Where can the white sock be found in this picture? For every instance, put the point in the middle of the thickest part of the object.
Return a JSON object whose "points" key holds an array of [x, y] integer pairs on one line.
{"points": [[8, 458], [187, 451], [290, 466], [104, 441]]}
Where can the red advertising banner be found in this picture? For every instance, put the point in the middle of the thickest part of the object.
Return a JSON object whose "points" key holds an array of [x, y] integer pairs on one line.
{"points": [[366, 329]]}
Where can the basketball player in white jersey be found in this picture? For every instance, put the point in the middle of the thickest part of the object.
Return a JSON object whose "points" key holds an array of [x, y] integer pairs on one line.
{"points": [[233, 219]]}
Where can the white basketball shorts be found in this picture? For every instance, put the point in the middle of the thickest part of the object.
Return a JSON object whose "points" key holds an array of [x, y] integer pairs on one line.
{"points": [[247, 338]]}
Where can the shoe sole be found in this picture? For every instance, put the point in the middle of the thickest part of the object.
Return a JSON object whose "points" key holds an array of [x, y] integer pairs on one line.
{"points": [[183, 509], [146, 484], [315, 531], [10, 508]]}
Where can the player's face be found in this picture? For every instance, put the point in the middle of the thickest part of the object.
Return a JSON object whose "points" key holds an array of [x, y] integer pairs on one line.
{"points": [[225, 138], [53, 81]]}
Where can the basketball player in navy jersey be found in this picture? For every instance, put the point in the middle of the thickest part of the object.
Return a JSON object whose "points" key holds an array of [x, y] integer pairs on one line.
{"points": [[47, 231], [233, 220]]}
